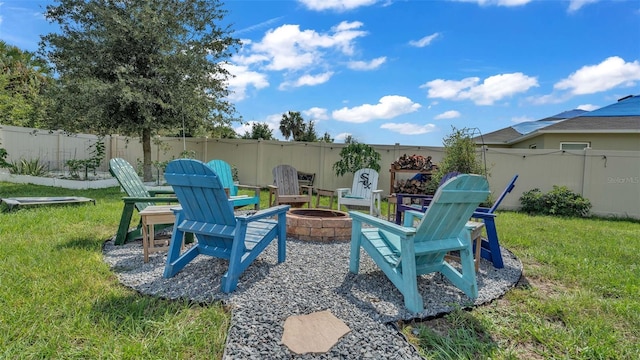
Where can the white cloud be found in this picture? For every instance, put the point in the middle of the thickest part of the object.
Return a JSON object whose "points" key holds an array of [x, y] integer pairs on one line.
{"points": [[258, 26], [575, 5], [316, 114], [388, 107], [409, 129], [492, 89], [364, 65], [308, 80], [451, 114], [507, 3], [242, 79], [611, 73], [587, 107], [290, 48], [272, 121], [424, 41], [339, 5], [342, 136]]}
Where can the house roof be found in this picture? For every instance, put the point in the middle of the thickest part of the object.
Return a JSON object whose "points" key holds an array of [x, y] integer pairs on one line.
{"points": [[622, 116]]}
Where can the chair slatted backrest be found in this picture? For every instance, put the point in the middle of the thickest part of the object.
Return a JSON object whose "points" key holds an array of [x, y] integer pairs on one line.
{"points": [[223, 170], [129, 181], [364, 182], [201, 193], [285, 177], [452, 206]]}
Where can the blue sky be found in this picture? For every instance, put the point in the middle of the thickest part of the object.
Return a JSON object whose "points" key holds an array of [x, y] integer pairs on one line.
{"points": [[391, 71]]}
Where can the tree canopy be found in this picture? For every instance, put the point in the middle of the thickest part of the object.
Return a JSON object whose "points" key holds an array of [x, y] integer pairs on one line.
{"points": [[356, 156], [259, 131], [24, 79], [140, 67]]}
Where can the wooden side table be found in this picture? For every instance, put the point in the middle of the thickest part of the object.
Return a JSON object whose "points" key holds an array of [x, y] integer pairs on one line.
{"points": [[150, 216], [392, 202], [323, 192]]}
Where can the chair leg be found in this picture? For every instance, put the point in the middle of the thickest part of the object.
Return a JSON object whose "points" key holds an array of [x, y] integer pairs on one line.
{"points": [[356, 241], [492, 251], [412, 298], [125, 221], [282, 238]]}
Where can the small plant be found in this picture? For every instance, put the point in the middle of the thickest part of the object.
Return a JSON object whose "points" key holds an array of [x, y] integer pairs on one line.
{"points": [[31, 167], [76, 165], [460, 155], [3, 156], [356, 156], [560, 201]]}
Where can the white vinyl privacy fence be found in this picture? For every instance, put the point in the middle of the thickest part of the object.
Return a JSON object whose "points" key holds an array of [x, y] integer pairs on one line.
{"points": [[609, 179]]}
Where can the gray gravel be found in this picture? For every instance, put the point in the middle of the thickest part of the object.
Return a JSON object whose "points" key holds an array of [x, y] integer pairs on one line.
{"points": [[314, 277]]}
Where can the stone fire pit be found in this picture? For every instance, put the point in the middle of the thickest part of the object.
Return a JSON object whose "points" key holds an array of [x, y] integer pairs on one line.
{"points": [[318, 225]]}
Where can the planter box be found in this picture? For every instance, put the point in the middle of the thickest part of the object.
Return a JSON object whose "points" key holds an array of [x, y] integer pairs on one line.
{"points": [[56, 182]]}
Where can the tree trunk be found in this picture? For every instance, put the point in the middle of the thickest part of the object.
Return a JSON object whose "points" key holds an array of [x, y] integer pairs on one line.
{"points": [[146, 155]]}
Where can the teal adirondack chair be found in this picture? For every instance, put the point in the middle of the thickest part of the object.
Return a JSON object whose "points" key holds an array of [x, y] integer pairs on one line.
{"points": [[223, 170], [207, 213], [138, 197], [405, 252]]}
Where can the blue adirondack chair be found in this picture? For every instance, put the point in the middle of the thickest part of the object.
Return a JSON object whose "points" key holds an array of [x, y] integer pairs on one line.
{"points": [[208, 214], [223, 170], [490, 249], [405, 252]]}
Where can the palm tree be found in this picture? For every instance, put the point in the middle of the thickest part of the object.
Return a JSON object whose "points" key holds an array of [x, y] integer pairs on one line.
{"points": [[292, 125]]}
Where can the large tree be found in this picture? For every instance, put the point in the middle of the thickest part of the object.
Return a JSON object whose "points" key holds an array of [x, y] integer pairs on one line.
{"points": [[140, 67], [24, 79]]}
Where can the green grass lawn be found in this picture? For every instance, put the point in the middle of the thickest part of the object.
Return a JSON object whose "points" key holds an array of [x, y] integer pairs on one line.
{"points": [[578, 299]]}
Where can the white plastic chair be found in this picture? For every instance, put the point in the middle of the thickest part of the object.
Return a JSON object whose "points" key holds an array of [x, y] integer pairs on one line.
{"points": [[363, 192]]}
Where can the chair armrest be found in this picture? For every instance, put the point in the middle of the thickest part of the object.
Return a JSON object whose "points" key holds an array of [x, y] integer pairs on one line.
{"points": [[308, 187], [159, 199], [161, 192], [381, 224], [483, 215], [274, 210], [379, 191], [342, 191]]}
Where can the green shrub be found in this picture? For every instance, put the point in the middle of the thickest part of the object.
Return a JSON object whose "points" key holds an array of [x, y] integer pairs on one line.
{"points": [[560, 201], [31, 167]]}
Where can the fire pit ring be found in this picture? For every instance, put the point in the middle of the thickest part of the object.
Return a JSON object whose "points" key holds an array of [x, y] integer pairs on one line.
{"points": [[318, 225]]}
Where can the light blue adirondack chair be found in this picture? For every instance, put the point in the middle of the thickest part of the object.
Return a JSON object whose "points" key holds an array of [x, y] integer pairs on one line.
{"points": [[223, 170], [405, 252], [208, 213]]}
